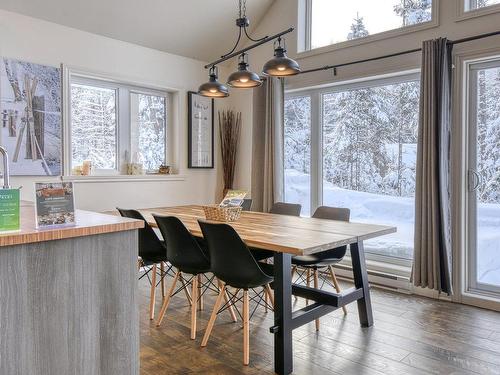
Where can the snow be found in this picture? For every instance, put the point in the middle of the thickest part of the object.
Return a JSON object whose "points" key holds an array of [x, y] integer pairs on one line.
{"points": [[398, 212]]}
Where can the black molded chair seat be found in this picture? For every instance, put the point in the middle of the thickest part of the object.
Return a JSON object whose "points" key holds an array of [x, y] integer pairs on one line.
{"points": [[184, 251], [319, 260], [282, 208], [231, 259]]}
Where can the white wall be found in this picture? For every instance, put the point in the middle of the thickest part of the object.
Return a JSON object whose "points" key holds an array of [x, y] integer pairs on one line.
{"points": [[47, 43], [283, 14]]}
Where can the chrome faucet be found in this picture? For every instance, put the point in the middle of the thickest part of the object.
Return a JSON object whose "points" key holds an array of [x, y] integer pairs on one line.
{"points": [[6, 173]]}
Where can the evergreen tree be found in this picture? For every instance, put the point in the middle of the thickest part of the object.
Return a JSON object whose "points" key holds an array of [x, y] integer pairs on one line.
{"points": [[414, 11], [358, 29]]}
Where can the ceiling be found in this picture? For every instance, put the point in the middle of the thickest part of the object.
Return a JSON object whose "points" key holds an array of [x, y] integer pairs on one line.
{"points": [[201, 29]]}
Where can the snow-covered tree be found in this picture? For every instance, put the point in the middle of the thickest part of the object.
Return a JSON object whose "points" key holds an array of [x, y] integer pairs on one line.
{"points": [[358, 29], [298, 134], [414, 11]]}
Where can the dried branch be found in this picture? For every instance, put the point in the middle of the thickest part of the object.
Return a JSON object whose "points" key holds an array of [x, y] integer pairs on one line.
{"points": [[229, 133]]}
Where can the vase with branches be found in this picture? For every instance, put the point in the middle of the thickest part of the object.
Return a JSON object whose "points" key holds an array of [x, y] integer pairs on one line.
{"points": [[229, 133]]}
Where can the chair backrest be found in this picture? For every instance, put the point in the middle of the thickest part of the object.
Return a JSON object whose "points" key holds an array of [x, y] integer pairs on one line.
{"points": [[247, 204], [332, 213], [230, 258], [183, 251], [282, 208], [150, 246]]}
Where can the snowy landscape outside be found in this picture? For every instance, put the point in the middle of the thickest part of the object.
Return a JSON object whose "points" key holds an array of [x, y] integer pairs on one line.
{"points": [[369, 140]]}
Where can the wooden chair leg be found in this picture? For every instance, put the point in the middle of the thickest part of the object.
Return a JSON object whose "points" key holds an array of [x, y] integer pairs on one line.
{"points": [[308, 281], [213, 316], [316, 286], [336, 285], [162, 272], [265, 295], [152, 296], [194, 306], [246, 329], [186, 291], [294, 269], [268, 291], [226, 301], [166, 301], [200, 297]]}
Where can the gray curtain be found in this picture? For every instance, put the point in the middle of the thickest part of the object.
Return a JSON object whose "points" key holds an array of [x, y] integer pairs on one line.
{"points": [[267, 144], [432, 260]]}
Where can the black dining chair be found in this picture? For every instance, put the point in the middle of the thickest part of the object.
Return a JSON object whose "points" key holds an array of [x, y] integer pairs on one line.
{"points": [[247, 204], [152, 252], [185, 253], [281, 208], [324, 259], [233, 264]]}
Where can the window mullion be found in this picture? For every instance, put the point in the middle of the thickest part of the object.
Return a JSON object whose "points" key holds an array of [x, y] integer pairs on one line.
{"points": [[316, 185], [124, 130]]}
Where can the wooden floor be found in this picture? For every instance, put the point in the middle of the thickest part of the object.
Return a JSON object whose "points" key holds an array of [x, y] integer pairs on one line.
{"points": [[411, 335]]}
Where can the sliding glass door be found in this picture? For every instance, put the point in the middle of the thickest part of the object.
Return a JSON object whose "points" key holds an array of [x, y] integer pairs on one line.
{"points": [[484, 178]]}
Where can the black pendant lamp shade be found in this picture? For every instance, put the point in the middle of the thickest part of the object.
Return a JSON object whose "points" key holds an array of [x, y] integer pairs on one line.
{"points": [[213, 88], [280, 65], [243, 78]]}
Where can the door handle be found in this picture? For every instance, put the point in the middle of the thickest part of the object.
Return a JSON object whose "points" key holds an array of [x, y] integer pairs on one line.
{"points": [[474, 180]]}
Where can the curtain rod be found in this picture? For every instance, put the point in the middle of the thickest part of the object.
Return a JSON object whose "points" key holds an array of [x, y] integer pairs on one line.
{"points": [[451, 42]]}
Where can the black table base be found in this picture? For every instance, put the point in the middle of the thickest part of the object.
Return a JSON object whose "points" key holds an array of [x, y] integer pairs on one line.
{"points": [[286, 320]]}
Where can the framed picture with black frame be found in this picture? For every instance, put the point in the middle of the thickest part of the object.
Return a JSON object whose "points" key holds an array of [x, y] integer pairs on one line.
{"points": [[200, 131]]}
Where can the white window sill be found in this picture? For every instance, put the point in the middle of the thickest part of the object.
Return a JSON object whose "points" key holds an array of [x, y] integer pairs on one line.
{"points": [[125, 178]]}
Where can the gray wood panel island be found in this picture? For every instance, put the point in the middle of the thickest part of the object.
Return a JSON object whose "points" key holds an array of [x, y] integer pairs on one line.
{"points": [[68, 297]]}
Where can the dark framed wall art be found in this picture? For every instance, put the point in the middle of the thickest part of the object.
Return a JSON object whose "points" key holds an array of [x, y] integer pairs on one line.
{"points": [[200, 131]]}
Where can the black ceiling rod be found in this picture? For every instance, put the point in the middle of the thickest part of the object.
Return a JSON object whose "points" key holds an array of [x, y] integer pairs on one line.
{"points": [[252, 46], [458, 41]]}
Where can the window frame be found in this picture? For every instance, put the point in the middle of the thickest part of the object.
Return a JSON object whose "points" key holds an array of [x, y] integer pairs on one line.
{"points": [[124, 88], [472, 285], [305, 27], [464, 12], [316, 166]]}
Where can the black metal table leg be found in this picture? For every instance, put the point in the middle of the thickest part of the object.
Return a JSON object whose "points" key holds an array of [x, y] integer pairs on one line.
{"points": [[283, 353], [361, 281]]}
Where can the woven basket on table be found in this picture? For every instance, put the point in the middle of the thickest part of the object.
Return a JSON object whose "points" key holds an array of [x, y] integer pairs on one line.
{"points": [[217, 213]]}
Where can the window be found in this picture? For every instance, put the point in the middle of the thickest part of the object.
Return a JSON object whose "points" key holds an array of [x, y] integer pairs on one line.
{"points": [[368, 144], [113, 124], [329, 22], [484, 176], [297, 151], [479, 4]]}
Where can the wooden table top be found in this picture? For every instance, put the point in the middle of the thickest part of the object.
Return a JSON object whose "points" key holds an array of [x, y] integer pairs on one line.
{"points": [[87, 224], [288, 234]]}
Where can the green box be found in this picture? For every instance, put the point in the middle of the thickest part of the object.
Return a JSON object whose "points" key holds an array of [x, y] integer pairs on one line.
{"points": [[9, 209]]}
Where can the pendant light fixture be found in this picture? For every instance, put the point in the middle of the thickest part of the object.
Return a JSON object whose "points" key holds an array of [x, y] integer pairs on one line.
{"points": [[243, 78], [280, 65], [213, 88]]}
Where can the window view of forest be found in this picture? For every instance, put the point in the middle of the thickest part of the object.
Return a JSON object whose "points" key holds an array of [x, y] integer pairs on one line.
{"points": [[475, 4], [488, 168], [331, 20], [93, 126], [149, 119]]}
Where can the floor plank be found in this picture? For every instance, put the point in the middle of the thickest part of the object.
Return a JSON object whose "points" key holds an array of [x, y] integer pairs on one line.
{"points": [[411, 335]]}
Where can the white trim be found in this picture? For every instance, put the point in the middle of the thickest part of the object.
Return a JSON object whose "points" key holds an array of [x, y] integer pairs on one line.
{"points": [[304, 53], [464, 14], [125, 178]]}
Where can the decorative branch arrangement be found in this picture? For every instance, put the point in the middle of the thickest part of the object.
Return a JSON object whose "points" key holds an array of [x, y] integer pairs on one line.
{"points": [[229, 133]]}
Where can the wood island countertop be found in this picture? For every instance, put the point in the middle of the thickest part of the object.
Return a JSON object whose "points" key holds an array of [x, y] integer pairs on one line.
{"points": [[87, 224]]}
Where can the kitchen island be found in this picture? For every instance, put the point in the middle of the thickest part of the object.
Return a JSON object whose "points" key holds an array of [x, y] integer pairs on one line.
{"points": [[68, 297]]}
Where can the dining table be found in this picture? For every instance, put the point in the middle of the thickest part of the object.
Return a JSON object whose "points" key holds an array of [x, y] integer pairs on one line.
{"points": [[288, 236]]}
